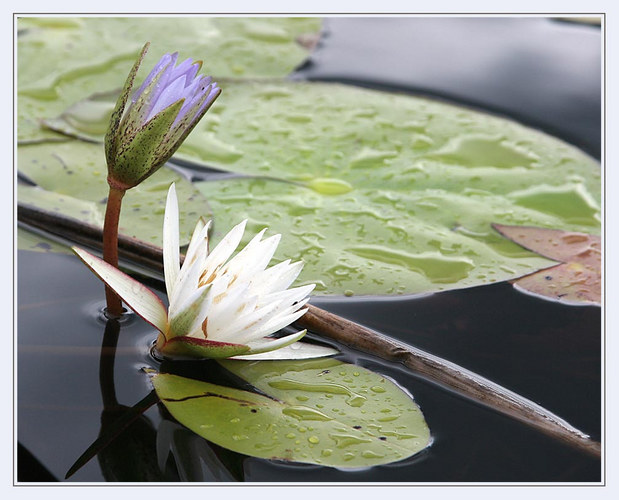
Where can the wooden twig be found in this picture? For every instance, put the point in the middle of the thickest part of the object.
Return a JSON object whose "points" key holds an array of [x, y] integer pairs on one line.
{"points": [[448, 375], [430, 367]]}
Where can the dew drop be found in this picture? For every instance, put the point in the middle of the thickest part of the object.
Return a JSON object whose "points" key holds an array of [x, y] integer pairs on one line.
{"points": [[371, 454]]}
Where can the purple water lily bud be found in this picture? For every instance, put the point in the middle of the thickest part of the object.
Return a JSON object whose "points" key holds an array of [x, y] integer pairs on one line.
{"points": [[147, 129]]}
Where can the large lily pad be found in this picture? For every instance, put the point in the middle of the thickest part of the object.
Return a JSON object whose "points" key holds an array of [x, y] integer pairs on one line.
{"points": [[62, 60], [321, 411], [387, 193], [384, 193], [70, 178]]}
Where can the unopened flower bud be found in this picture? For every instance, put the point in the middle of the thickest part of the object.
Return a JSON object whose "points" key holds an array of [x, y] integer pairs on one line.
{"points": [[144, 134]]}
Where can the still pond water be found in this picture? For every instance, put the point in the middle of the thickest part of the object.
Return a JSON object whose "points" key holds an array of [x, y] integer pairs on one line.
{"points": [[548, 352]]}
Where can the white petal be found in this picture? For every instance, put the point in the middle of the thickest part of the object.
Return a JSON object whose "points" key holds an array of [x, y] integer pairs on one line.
{"points": [[171, 264], [221, 253], [277, 323], [248, 326], [224, 309], [265, 345], [278, 277], [189, 276], [298, 350], [255, 257], [138, 297], [218, 286], [290, 296], [199, 233]]}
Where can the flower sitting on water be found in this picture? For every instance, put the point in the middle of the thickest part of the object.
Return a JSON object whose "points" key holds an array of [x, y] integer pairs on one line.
{"points": [[219, 307], [160, 115]]}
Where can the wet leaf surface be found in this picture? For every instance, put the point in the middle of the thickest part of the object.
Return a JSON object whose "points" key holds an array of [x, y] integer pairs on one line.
{"points": [[381, 193], [70, 179], [388, 194], [64, 60], [321, 411], [577, 280], [27, 240]]}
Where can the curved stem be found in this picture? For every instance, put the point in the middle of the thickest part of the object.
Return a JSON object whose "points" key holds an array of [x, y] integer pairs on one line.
{"points": [[110, 245]]}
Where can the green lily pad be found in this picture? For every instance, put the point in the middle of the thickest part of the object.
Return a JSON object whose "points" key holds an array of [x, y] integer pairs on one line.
{"points": [[63, 60], [389, 194], [320, 412], [27, 240], [378, 242], [327, 134], [384, 193], [70, 178]]}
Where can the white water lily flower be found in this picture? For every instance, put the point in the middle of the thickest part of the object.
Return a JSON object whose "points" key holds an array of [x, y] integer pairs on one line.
{"points": [[219, 307]]}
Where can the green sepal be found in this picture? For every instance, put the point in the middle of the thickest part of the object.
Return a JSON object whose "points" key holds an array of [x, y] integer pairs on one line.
{"points": [[191, 119], [141, 155], [201, 348], [140, 108], [111, 142]]}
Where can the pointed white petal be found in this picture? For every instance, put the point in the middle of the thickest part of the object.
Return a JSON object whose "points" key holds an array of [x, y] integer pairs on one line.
{"points": [[200, 233], [255, 257], [278, 277], [221, 253], [248, 326], [298, 350], [218, 286], [289, 296], [171, 264], [138, 297], [265, 345], [189, 276], [226, 306], [277, 323]]}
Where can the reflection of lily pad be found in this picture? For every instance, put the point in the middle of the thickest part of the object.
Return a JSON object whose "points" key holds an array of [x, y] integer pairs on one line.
{"points": [[27, 240], [577, 280], [63, 60], [71, 179], [321, 411]]}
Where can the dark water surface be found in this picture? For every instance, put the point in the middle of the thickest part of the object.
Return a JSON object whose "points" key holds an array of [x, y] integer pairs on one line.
{"points": [[547, 352], [541, 72]]}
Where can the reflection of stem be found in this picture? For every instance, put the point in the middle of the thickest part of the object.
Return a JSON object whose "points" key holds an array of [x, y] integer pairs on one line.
{"points": [[106, 365], [110, 245], [432, 368]]}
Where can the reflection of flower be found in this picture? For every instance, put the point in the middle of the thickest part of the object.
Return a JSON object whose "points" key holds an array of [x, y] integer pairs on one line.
{"points": [[160, 115], [219, 307]]}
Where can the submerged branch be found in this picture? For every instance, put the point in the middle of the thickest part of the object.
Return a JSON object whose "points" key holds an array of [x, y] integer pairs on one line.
{"points": [[430, 367]]}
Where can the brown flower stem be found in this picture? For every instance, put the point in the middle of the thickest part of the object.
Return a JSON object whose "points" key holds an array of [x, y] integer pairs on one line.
{"points": [[110, 246]]}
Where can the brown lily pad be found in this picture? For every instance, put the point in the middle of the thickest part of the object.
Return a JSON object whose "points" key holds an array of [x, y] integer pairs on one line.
{"points": [[576, 280]]}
